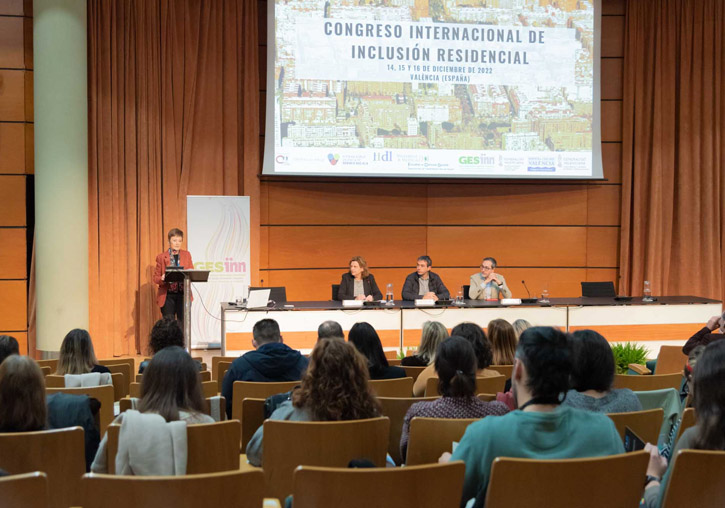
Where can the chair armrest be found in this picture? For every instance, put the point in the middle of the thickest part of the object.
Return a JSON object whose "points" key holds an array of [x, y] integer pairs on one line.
{"points": [[639, 369]]}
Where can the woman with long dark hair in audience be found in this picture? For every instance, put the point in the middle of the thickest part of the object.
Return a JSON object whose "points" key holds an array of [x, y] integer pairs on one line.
{"points": [[475, 335], [366, 340], [708, 434], [592, 377], [170, 388], [77, 355], [455, 364], [432, 335], [334, 388], [503, 341], [22, 395]]}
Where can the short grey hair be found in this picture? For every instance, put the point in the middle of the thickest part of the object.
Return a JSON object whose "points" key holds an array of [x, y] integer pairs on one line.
{"points": [[330, 330]]}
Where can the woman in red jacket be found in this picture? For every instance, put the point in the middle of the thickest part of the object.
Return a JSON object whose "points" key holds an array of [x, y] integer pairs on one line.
{"points": [[171, 295]]}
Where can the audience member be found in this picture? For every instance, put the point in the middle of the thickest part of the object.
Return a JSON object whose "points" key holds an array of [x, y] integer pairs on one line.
{"points": [[334, 388], [542, 429], [272, 360], [8, 346], [432, 335], [705, 335], [503, 341], [365, 339], [455, 364], [166, 332], [708, 434], [22, 395], [330, 330], [592, 377], [519, 326], [77, 356], [475, 335], [170, 388]]}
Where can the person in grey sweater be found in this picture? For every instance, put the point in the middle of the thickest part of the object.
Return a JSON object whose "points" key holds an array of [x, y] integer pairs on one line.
{"points": [[593, 375]]}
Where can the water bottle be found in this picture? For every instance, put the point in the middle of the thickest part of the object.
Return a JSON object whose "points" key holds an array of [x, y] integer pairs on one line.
{"points": [[389, 295], [487, 292], [647, 292]]}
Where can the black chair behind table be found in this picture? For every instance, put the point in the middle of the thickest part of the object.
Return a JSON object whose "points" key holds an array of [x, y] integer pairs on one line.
{"points": [[276, 293], [466, 291], [335, 291], [598, 289]]}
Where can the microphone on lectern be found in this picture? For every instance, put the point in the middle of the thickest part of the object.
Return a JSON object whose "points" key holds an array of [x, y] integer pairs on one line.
{"points": [[526, 288]]}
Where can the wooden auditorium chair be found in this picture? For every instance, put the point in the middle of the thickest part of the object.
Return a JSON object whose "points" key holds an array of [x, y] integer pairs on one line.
{"points": [[252, 390], [430, 437], [413, 372], [646, 424], [395, 408], [645, 383], [56, 381], [126, 403], [221, 371], [696, 479], [104, 395], [29, 490], [400, 387], [688, 420]]}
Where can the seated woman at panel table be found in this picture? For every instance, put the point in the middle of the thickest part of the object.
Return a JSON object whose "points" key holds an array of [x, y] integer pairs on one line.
{"points": [[456, 365], [334, 388], [592, 376], [365, 339], [358, 283], [708, 383]]}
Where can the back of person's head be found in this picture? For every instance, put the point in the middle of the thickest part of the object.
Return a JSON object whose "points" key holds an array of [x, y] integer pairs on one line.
{"points": [[519, 326], [433, 334], [266, 331], [545, 353], [8, 346], [689, 372], [503, 341], [76, 353], [165, 333], [330, 330], [477, 337], [170, 384], [709, 388], [335, 385], [365, 339], [592, 362], [22, 395], [455, 364]]}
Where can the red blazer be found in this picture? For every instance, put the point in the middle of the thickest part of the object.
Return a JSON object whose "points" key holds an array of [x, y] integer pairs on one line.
{"points": [[162, 261]]}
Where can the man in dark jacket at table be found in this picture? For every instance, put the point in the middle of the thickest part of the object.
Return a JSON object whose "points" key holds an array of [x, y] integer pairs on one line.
{"points": [[270, 361], [424, 284]]}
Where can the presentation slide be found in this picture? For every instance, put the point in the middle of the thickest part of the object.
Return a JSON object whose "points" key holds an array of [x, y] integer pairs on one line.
{"points": [[433, 88]]}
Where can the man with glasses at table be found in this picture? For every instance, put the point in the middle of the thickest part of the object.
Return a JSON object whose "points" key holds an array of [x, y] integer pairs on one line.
{"points": [[488, 279]]}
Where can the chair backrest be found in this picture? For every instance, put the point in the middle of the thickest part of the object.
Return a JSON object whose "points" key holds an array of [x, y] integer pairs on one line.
{"points": [[59, 453], [670, 360], [222, 369], [430, 437], [208, 388], [600, 289], [117, 380], [504, 370], [400, 387], [46, 371], [413, 372], [251, 390], [125, 404], [696, 479], [600, 482], [252, 417], [232, 489], [466, 291], [104, 394], [215, 361], [645, 383], [205, 376], [53, 364], [391, 354], [29, 490], [126, 370], [394, 362], [117, 361], [429, 486], [689, 418], [492, 384], [330, 444], [646, 424], [395, 408], [211, 447], [335, 291]]}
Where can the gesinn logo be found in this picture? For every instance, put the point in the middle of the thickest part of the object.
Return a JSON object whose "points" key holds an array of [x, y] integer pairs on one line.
{"points": [[228, 265], [333, 158], [476, 160]]}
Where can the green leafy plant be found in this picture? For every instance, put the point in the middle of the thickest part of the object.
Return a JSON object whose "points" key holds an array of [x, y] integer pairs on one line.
{"points": [[626, 353], [402, 354]]}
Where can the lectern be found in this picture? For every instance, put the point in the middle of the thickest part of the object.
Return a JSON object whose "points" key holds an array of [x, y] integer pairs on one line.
{"points": [[187, 277]]}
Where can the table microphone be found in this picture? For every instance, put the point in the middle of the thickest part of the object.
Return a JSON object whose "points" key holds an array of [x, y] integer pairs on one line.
{"points": [[527, 289]]}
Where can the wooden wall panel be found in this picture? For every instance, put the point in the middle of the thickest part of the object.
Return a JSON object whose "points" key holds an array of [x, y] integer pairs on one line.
{"points": [[612, 36], [611, 121], [12, 253], [12, 96], [11, 8], [12, 202], [12, 148], [614, 7], [29, 149], [488, 203], [603, 205], [12, 45], [333, 246], [13, 302], [612, 162], [28, 42], [602, 247], [519, 246], [342, 203], [611, 79]]}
